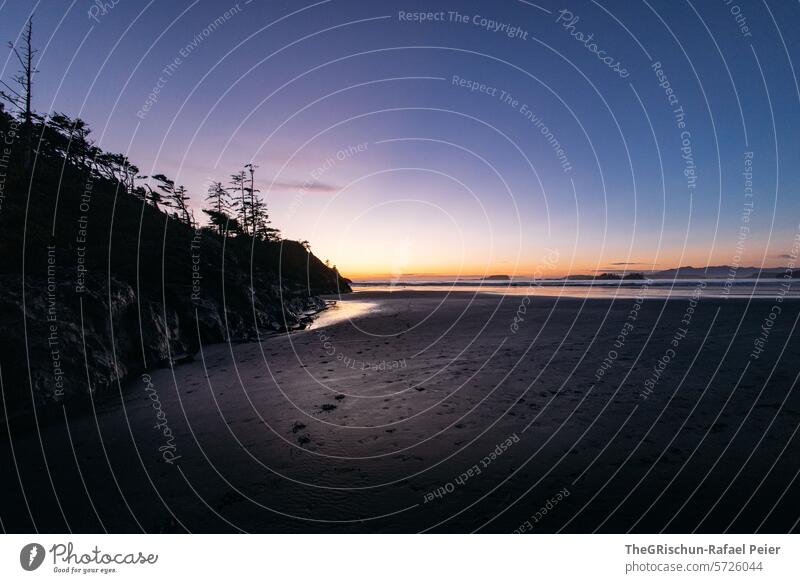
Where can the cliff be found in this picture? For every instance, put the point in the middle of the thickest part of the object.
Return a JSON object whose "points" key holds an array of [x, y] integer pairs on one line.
{"points": [[96, 285]]}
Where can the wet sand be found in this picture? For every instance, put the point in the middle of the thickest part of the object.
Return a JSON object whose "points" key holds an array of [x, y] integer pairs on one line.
{"points": [[441, 413]]}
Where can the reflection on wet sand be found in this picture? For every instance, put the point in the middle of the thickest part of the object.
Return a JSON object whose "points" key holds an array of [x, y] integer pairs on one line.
{"points": [[339, 311]]}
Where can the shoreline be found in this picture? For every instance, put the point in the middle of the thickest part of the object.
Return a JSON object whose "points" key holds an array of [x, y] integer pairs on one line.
{"points": [[53, 411], [310, 322]]}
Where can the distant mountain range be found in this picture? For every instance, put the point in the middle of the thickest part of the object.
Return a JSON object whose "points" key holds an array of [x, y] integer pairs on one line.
{"points": [[689, 272]]}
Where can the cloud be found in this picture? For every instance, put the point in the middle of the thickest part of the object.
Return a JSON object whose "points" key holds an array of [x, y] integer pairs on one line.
{"points": [[784, 256], [632, 263], [308, 186]]}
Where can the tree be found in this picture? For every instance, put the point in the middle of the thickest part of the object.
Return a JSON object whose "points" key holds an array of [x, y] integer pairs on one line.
{"points": [[117, 168], [174, 197], [166, 186], [179, 197], [73, 143], [147, 193], [151, 196], [220, 205], [254, 205], [257, 207], [261, 222], [224, 223], [61, 138], [218, 197], [80, 139], [238, 185], [21, 98], [129, 172]]}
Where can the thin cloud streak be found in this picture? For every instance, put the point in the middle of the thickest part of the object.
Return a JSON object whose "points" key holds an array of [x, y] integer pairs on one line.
{"points": [[304, 186]]}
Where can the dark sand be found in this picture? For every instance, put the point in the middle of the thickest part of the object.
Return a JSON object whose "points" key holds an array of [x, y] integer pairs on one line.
{"points": [[296, 435]]}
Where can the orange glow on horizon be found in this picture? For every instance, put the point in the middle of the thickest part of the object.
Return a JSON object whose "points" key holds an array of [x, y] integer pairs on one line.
{"points": [[560, 270]]}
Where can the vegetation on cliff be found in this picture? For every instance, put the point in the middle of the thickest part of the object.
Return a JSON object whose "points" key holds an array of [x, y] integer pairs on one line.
{"points": [[106, 273]]}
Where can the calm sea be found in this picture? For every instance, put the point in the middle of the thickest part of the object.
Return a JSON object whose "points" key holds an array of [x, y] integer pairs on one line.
{"points": [[765, 288]]}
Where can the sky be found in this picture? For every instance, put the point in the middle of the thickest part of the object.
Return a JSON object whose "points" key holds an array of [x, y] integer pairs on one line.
{"points": [[417, 138]]}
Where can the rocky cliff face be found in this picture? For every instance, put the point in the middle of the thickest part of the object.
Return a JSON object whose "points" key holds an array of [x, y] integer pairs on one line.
{"points": [[57, 344]]}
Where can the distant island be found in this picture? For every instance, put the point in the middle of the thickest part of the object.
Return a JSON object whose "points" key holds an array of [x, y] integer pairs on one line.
{"points": [[689, 272], [613, 276], [607, 277], [496, 278]]}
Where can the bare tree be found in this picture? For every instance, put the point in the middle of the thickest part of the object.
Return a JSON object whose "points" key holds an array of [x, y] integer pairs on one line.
{"points": [[255, 205], [21, 98]]}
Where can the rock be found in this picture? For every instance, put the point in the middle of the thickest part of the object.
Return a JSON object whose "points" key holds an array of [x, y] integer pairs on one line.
{"points": [[57, 345]]}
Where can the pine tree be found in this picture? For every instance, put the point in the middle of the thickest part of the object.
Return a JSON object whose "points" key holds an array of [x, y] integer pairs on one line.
{"points": [[260, 220], [220, 205], [179, 197], [167, 187], [238, 185]]}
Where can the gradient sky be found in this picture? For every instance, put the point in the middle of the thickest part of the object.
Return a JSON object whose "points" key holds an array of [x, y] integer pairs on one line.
{"points": [[416, 175]]}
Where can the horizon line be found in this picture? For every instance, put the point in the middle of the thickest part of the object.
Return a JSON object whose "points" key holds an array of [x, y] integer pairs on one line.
{"points": [[498, 273]]}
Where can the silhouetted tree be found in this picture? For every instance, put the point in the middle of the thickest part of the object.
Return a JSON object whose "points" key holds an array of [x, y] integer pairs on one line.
{"points": [[117, 168], [80, 140], [21, 98], [61, 137], [254, 205], [259, 223], [257, 210], [174, 197], [218, 198], [238, 186], [167, 187], [67, 152], [149, 194], [224, 223], [179, 197], [129, 172]]}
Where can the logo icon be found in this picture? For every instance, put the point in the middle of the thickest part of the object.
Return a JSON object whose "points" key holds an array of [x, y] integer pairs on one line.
{"points": [[31, 556]]}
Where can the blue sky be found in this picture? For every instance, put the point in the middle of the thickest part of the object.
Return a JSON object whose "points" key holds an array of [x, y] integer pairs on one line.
{"points": [[445, 179]]}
